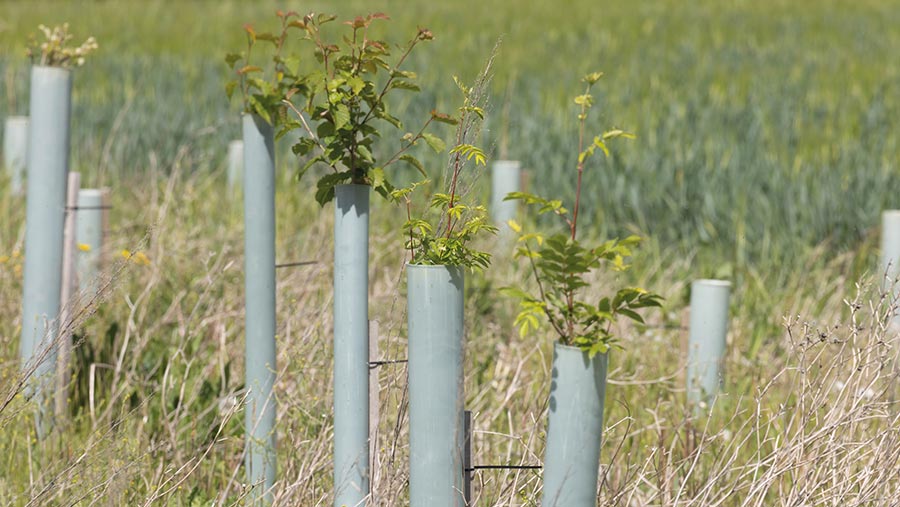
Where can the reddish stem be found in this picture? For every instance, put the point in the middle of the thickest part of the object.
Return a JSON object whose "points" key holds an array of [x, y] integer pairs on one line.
{"points": [[570, 296]]}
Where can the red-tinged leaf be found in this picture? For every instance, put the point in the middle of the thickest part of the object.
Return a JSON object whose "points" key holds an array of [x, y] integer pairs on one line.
{"points": [[379, 15], [443, 118], [250, 31], [358, 22]]}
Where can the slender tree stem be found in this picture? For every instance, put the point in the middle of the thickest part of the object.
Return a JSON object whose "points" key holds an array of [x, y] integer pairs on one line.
{"points": [[306, 127], [412, 252], [408, 145], [537, 278], [570, 295]]}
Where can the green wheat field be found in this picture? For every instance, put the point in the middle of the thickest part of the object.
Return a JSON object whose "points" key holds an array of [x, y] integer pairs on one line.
{"points": [[768, 144]]}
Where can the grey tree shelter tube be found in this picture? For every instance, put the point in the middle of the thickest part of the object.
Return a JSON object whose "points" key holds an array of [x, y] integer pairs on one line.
{"points": [[706, 343], [574, 428], [259, 259], [48, 167], [89, 237], [506, 177], [351, 345], [15, 151], [436, 415], [890, 256], [235, 163]]}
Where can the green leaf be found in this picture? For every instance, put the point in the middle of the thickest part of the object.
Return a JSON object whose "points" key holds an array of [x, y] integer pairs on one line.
{"points": [[404, 74], [325, 18], [612, 134], [515, 292], [292, 64], [326, 184], [401, 193], [444, 118], [356, 84], [309, 163], [376, 175], [266, 36], [341, 116], [303, 146], [586, 100], [413, 161], [437, 144], [593, 77], [440, 199], [364, 153], [473, 109], [403, 85], [631, 314], [336, 83], [259, 108], [597, 348], [469, 152], [390, 119], [233, 58], [546, 205], [604, 306], [600, 144]]}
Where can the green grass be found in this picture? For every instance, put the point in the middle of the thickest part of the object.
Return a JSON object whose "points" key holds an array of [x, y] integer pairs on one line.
{"points": [[759, 135], [766, 150]]}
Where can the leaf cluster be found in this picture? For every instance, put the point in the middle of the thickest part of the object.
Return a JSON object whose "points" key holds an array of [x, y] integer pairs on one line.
{"points": [[345, 100], [443, 234], [264, 86], [561, 264], [429, 245], [55, 51]]}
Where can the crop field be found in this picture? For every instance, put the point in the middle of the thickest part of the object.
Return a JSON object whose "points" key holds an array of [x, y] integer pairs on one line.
{"points": [[766, 148]]}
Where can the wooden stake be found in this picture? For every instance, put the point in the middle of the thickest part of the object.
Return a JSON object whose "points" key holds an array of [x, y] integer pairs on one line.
{"points": [[67, 291]]}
